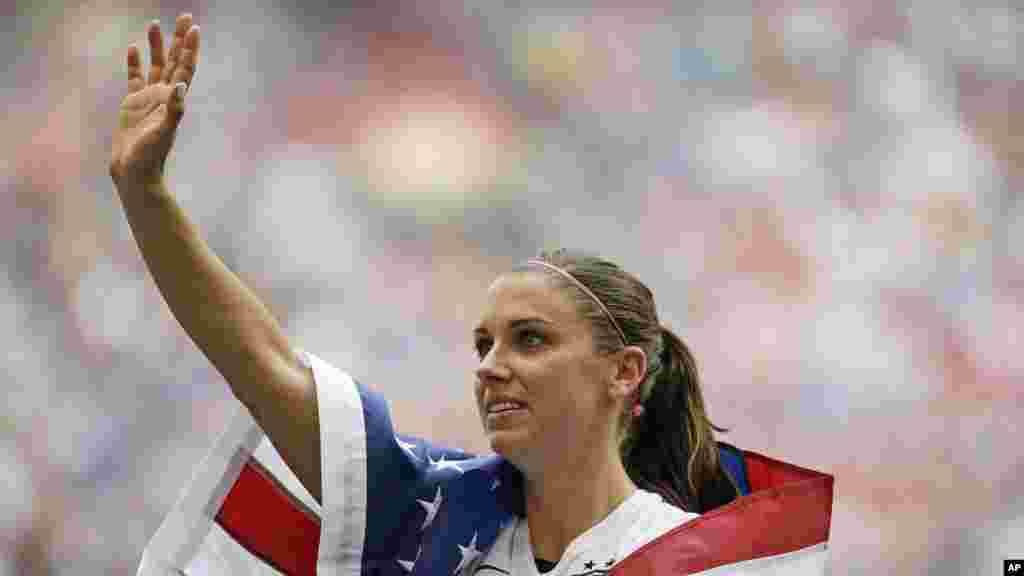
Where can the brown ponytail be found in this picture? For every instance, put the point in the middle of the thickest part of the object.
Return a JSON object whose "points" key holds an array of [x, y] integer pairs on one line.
{"points": [[671, 448]]}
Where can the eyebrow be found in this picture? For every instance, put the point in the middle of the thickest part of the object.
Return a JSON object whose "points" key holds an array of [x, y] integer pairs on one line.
{"points": [[515, 324]]}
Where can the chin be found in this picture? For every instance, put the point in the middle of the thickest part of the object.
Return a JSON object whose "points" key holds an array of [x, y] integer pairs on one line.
{"points": [[506, 443]]}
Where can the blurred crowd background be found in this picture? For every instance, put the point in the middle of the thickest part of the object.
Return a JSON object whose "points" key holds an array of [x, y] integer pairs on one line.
{"points": [[825, 198]]}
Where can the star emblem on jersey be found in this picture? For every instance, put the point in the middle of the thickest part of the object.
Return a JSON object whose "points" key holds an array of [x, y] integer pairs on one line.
{"points": [[431, 508], [469, 553], [590, 571]]}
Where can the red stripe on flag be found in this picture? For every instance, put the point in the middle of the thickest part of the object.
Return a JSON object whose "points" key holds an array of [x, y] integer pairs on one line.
{"points": [[789, 509], [269, 522], [764, 472]]}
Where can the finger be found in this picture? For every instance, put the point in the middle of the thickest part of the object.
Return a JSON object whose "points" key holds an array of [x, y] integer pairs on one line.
{"points": [[135, 81], [156, 52], [175, 106], [186, 68], [181, 26]]}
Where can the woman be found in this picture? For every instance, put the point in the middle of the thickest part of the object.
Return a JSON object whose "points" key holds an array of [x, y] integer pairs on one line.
{"points": [[593, 408]]}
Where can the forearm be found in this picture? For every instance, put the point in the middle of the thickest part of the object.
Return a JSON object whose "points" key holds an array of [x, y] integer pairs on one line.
{"points": [[228, 323]]}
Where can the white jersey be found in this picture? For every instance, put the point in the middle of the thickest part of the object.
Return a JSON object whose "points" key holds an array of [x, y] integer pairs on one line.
{"points": [[636, 521]]}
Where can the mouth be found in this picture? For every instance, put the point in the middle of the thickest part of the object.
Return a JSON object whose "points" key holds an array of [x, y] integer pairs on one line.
{"points": [[502, 411], [504, 406]]}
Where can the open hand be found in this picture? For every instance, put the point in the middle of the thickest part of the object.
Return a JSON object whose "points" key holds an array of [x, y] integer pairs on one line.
{"points": [[151, 111]]}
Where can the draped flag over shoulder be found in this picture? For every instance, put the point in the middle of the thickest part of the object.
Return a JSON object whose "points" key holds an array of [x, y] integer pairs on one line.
{"points": [[780, 527], [396, 505]]}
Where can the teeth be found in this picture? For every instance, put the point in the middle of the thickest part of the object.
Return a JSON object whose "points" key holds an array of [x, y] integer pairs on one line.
{"points": [[500, 406]]}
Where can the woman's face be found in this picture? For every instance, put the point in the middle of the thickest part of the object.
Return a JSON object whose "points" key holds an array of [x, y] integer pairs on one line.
{"points": [[535, 349]]}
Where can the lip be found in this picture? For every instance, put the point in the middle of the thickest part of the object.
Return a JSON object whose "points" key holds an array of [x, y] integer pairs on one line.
{"points": [[498, 418], [499, 399]]}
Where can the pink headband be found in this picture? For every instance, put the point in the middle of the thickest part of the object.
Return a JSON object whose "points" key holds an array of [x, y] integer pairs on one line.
{"points": [[587, 292]]}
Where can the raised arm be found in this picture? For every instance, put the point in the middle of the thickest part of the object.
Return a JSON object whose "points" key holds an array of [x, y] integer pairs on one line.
{"points": [[228, 323]]}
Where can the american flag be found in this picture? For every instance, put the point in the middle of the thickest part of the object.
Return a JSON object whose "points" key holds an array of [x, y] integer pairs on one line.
{"points": [[395, 505]]}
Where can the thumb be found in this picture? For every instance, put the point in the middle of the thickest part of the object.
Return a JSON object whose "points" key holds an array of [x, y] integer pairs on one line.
{"points": [[176, 104]]}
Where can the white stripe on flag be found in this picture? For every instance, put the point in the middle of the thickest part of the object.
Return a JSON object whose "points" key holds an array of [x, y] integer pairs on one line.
{"points": [[343, 461], [182, 532]]}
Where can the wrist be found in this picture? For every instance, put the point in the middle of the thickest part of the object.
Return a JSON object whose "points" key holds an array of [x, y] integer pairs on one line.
{"points": [[139, 187]]}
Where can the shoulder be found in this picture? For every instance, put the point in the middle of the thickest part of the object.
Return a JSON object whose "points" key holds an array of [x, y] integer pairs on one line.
{"points": [[656, 518]]}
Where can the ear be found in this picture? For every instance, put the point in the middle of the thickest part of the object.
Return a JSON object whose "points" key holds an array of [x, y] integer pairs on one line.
{"points": [[628, 371]]}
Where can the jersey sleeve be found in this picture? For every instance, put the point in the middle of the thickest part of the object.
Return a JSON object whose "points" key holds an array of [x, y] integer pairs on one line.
{"points": [[370, 475]]}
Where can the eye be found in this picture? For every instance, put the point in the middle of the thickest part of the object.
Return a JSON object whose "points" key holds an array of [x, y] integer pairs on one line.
{"points": [[531, 338]]}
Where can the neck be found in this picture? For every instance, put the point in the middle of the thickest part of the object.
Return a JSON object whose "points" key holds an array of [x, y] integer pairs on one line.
{"points": [[570, 498]]}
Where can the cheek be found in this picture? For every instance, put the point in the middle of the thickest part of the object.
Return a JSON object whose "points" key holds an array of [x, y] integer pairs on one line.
{"points": [[562, 395], [563, 421]]}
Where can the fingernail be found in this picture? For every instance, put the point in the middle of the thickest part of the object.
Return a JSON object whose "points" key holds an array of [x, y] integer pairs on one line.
{"points": [[179, 90]]}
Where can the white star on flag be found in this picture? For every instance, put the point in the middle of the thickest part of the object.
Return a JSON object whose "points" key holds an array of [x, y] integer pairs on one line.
{"points": [[409, 447], [431, 507], [469, 553], [442, 463], [408, 564]]}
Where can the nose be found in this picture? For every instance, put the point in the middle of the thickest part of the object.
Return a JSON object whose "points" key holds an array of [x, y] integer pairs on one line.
{"points": [[490, 368]]}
